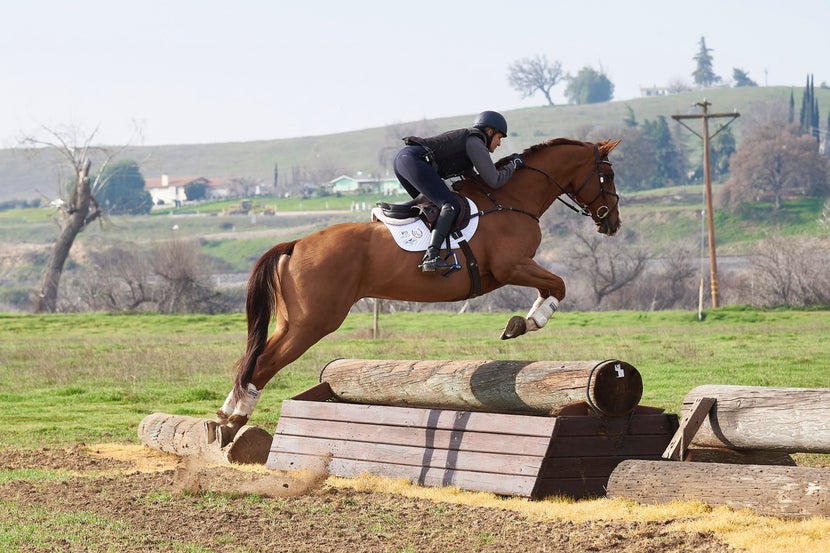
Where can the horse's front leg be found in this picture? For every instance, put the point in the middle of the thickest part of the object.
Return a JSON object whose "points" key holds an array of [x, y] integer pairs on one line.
{"points": [[551, 290]]}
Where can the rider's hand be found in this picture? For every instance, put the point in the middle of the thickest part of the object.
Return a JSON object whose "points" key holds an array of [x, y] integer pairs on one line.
{"points": [[517, 161]]}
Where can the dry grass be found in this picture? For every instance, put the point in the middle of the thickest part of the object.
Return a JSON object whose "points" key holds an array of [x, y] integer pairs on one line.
{"points": [[743, 530]]}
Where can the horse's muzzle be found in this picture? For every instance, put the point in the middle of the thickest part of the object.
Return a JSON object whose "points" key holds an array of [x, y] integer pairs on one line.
{"points": [[608, 226]]}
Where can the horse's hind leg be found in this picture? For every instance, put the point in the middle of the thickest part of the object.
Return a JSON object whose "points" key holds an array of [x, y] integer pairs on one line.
{"points": [[313, 321]]}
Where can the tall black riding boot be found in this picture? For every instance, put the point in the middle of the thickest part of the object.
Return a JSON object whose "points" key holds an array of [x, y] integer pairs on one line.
{"points": [[432, 259]]}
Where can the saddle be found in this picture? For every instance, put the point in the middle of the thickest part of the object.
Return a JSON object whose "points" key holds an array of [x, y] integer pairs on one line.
{"points": [[422, 208]]}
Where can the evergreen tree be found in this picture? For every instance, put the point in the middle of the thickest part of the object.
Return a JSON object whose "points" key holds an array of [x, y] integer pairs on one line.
{"points": [[704, 75], [589, 87], [806, 107], [722, 147], [668, 169], [741, 78], [809, 116], [123, 190], [791, 118], [630, 119]]}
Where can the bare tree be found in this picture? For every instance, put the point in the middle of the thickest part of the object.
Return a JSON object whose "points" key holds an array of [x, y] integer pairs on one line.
{"points": [[245, 187], [773, 162], [791, 272], [186, 285], [117, 280], [77, 206], [607, 267], [536, 74]]}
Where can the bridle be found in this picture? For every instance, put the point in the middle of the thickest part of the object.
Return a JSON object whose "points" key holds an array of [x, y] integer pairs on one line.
{"points": [[579, 207]]}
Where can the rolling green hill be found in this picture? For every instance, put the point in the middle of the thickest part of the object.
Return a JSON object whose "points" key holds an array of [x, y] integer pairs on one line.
{"points": [[24, 176]]}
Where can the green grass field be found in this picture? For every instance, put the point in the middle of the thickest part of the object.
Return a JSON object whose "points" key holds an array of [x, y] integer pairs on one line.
{"points": [[66, 379]]}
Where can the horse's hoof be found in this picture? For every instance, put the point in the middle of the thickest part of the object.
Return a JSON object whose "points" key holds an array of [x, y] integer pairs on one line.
{"points": [[219, 434], [516, 326]]}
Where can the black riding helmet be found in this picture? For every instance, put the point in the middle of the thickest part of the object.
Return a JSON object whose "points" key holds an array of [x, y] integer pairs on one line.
{"points": [[492, 119]]}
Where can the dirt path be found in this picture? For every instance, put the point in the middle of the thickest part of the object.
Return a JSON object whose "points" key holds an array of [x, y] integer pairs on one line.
{"points": [[151, 503]]}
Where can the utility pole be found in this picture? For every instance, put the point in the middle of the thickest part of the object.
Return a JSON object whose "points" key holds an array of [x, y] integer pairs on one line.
{"points": [[705, 116]]}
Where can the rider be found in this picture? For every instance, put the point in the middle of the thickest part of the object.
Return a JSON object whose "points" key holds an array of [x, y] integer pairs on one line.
{"points": [[423, 163]]}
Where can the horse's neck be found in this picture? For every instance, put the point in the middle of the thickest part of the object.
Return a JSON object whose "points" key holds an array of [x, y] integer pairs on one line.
{"points": [[558, 166]]}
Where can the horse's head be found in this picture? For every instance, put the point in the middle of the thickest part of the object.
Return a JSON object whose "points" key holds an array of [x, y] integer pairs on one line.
{"points": [[598, 194], [587, 178]]}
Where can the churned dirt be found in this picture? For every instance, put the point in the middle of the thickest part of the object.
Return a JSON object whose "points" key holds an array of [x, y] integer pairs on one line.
{"points": [[155, 502]]}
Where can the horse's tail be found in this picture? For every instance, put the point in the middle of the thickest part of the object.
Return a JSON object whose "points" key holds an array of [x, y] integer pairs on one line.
{"points": [[260, 307]]}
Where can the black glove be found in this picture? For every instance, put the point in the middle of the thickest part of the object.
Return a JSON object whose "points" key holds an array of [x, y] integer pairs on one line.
{"points": [[517, 161]]}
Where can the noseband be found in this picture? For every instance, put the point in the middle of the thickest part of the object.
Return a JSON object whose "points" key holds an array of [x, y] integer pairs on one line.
{"points": [[579, 207]]}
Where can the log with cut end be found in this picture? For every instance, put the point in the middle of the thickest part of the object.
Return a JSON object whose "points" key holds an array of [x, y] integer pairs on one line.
{"points": [[764, 418], [612, 387], [186, 437], [790, 492]]}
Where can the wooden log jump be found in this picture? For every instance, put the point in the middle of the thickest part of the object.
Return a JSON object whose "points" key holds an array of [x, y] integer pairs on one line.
{"points": [[186, 437], [435, 423], [612, 387], [763, 418], [790, 492]]}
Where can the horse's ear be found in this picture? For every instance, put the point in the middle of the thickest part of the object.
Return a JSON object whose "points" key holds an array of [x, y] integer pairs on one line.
{"points": [[606, 146]]}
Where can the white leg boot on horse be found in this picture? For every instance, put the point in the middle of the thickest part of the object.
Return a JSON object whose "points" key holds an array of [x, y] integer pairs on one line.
{"points": [[538, 316], [232, 416]]}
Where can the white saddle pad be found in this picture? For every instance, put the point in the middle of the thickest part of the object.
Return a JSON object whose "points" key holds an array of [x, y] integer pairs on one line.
{"points": [[413, 235]]}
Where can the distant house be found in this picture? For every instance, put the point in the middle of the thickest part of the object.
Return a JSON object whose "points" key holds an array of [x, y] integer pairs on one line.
{"points": [[345, 184], [172, 190], [650, 91]]}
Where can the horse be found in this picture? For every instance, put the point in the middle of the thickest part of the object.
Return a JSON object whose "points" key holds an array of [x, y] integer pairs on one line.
{"points": [[308, 286]]}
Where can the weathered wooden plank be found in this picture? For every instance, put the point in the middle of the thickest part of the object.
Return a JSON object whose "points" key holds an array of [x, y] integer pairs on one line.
{"points": [[764, 418], [692, 420], [502, 484], [407, 455], [577, 446], [520, 425], [414, 436], [769, 490], [613, 387], [637, 424]]}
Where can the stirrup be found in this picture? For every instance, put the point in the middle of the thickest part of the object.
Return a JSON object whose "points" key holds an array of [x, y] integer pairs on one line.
{"points": [[439, 263], [434, 264]]}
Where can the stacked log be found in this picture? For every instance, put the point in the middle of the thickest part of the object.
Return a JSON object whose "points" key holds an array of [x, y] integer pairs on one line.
{"points": [[187, 437], [764, 418], [789, 492], [612, 388]]}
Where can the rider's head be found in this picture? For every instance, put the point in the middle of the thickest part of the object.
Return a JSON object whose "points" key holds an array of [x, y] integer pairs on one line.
{"points": [[494, 126]]}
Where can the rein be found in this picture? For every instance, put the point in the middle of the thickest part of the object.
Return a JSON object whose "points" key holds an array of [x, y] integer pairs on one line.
{"points": [[603, 211], [499, 207]]}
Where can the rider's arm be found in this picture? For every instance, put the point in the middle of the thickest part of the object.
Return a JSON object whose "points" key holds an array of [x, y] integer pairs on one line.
{"points": [[480, 156]]}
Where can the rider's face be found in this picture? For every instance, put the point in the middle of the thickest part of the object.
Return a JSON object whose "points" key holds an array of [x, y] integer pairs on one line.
{"points": [[495, 142]]}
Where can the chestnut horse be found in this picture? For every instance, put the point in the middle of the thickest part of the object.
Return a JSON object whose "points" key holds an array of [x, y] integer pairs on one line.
{"points": [[309, 285]]}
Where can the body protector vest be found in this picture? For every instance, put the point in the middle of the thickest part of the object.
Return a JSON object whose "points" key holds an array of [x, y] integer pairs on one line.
{"points": [[447, 152]]}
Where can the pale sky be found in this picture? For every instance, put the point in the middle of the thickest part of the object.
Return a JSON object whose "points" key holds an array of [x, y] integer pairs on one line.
{"points": [[203, 71]]}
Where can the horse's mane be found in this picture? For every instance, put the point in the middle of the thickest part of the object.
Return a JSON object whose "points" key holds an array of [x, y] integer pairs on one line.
{"points": [[542, 146]]}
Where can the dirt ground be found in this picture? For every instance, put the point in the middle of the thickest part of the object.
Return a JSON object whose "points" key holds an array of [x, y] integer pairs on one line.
{"points": [[161, 504]]}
